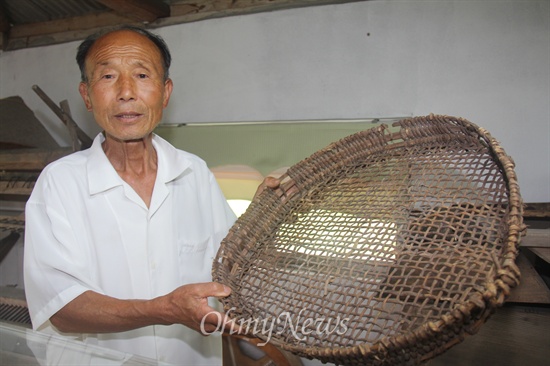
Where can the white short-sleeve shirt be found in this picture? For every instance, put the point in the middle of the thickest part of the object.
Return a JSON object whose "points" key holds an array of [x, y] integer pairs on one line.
{"points": [[87, 229]]}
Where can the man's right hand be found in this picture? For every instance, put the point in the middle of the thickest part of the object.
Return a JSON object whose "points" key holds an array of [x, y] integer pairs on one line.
{"points": [[92, 312], [189, 306]]}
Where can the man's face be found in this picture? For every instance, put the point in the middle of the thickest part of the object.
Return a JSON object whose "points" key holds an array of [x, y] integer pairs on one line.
{"points": [[126, 90]]}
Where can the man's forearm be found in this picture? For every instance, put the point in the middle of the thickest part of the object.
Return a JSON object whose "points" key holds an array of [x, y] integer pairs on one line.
{"points": [[188, 305], [95, 313]]}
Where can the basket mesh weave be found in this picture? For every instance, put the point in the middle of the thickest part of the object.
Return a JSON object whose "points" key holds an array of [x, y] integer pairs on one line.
{"points": [[383, 248]]}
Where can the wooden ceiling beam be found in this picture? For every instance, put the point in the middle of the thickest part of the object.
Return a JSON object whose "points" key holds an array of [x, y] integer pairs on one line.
{"points": [[183, 11], [4, 22], [4, 28], [61, 30], [139, 10], [193, 10], [79, 23]]}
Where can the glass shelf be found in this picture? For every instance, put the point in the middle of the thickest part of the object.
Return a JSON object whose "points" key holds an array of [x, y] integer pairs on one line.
{"points": [[22, 346]]}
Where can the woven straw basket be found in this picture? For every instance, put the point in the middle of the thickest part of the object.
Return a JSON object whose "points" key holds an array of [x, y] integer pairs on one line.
{"points": [[383, 248]]}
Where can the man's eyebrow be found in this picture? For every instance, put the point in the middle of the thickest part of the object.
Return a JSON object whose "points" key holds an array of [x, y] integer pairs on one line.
{"points": [[145, 65]]}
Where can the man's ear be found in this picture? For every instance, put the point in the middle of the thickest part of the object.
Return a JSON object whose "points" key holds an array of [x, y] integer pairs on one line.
{"points": [[83, 89], [168, 86]]}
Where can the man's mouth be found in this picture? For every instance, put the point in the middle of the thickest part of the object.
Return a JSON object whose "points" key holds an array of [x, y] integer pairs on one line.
{"points": [[128, 115]]}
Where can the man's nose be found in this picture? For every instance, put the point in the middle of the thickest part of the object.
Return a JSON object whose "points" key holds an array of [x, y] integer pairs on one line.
{"points": [[126, 88]]}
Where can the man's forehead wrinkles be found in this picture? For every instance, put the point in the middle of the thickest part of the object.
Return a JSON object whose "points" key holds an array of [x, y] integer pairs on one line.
{"points": [[107, 57], [133, 62]]}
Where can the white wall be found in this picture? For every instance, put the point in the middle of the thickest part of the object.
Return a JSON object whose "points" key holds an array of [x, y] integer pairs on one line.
{"points": [[486, 61]]}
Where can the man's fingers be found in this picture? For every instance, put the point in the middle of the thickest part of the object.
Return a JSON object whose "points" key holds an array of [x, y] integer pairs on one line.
{"points": [[272, 182], [269, 182], [211, 289]]}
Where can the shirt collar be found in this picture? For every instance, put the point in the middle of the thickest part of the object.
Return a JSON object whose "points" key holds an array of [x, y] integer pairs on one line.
{"points": [[171, 163], [102, 176]]}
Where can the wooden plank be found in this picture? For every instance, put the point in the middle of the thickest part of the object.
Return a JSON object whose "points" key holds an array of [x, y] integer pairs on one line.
{"points": [[516, 335], [139, 10], [531, 289], [12, 223], [17, 182], [78, 23], [3, 41], [20, 128], [71, 126], [542, 253], [193, 10], [7, 243], [77, 28], [4, 28], [536, 238], [86, 141], [17, 188], [536, 210], [12, 296], [30, 159], [4, 22]]}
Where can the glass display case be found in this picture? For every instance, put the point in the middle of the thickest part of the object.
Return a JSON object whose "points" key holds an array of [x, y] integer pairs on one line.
{"points": [[23, 346]]}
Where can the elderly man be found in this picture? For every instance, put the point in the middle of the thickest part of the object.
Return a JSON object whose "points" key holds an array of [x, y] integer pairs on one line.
{"points": [[120, 237]]}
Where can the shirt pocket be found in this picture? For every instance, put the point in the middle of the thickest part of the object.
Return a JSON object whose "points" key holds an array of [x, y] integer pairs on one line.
{"points": [[195, 260], [191, 246]]}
